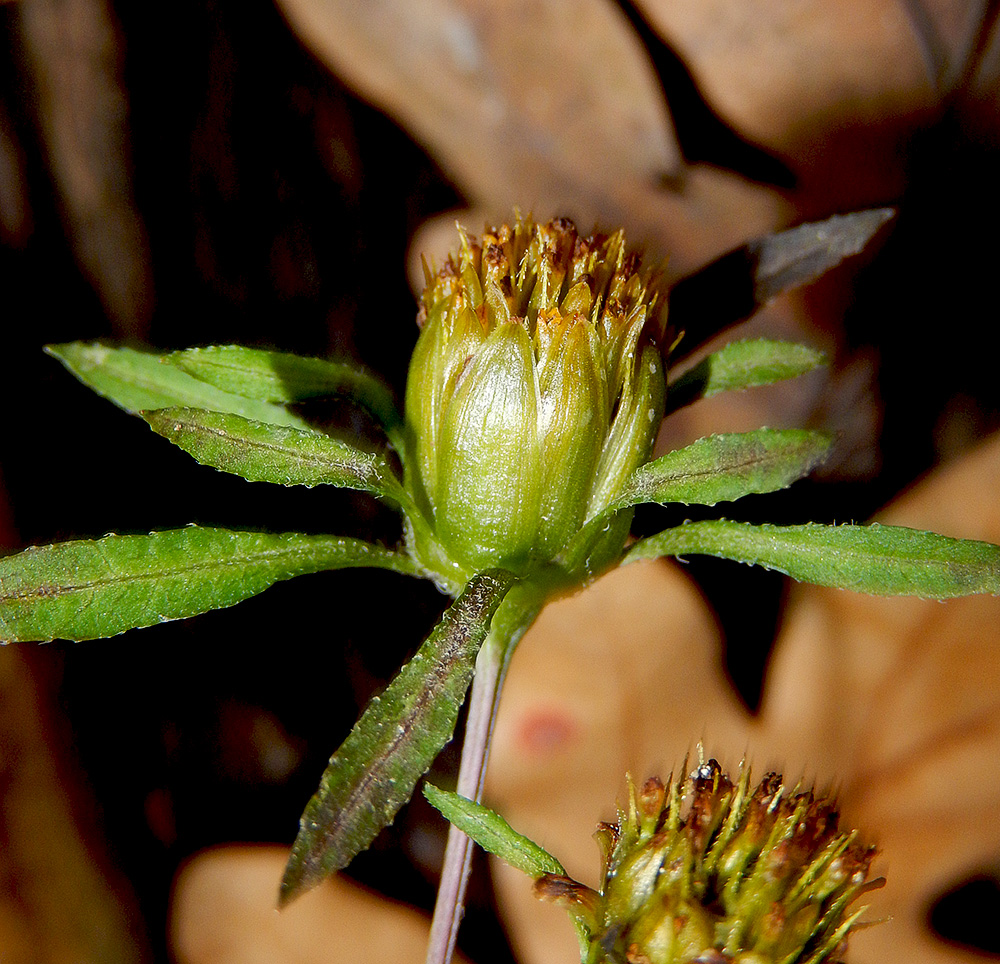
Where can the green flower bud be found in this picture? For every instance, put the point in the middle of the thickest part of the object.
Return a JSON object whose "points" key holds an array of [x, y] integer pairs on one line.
{"points": [[535, 389], [708, 872]]}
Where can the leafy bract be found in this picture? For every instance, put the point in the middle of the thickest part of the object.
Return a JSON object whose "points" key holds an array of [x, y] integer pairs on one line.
{"points": [[723, 468], [261, 452], [139, 381], [90, 589], [397, 738], [876, 559], [493, 833], [273, 376], [742, 364]]}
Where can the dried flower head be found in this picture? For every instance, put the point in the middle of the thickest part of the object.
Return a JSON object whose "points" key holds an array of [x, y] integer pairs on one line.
{"points": [[708, 871]]}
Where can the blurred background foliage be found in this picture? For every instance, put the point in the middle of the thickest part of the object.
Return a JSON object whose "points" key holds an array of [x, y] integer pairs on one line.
{"points": [[222, 172]]}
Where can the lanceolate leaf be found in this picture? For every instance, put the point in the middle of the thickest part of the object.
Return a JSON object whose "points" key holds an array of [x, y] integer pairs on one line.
{"points": [[137, 381], [723, 468], [261, 452], [397, 738], [493, 833], [877, 559], [272, 376], [742, 364], [91, 589]]}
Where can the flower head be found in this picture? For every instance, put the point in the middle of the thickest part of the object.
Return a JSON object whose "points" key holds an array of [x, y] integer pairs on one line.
{"points": [[536, 388], [710, 871]]}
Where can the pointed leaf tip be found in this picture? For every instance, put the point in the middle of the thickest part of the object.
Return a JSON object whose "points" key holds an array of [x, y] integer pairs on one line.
{"points": [[262, 452], [141, 380], [726, 467], [735, 285], [792, 258], [284, 378], [877, 559], [750, 363], [376, 768], [488, 829], [91, 589]]}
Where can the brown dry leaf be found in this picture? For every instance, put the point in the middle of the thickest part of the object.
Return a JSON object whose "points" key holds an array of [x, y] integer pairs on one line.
{"points": [[551, 106], [60, 900], [515, 72], [564, 107], [225, 912], [74, 57], [895, 701], [776, 69], [839, 88]]}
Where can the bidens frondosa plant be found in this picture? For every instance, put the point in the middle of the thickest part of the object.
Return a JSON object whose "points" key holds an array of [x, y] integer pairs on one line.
{"points": [[534, 396], [702, 871]]}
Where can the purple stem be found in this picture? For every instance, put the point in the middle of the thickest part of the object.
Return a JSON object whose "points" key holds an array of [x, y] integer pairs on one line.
{"points": [[484, 699]]}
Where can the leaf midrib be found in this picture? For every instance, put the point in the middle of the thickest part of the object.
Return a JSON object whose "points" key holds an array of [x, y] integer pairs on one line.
{"points": [[49, 592], [372, 775], [762, 458], [308, 458]]}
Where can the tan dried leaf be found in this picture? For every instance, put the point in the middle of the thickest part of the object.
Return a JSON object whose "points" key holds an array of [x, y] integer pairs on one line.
{"points": [[225, 912], [550, 105], [74, 57], [60, 897], [777, 70], [539, 80]]}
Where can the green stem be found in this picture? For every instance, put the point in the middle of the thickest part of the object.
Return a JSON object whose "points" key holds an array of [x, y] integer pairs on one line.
{"points": [[509, 625]]}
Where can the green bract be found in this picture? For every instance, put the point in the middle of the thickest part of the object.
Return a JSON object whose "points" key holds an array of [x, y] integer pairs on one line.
{"points": [[536, 388]]}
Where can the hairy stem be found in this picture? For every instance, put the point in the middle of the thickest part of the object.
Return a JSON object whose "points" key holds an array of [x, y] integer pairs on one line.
{"points": [[509, 625]]}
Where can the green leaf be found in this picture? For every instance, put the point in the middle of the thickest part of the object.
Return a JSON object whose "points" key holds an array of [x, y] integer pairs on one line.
{"points": [[272, 376], [138, 381], [260, 452], [96, 588], [877, 559], [397, 738], [723, 468], [742, 364], [493, 833], [496, 836]]}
